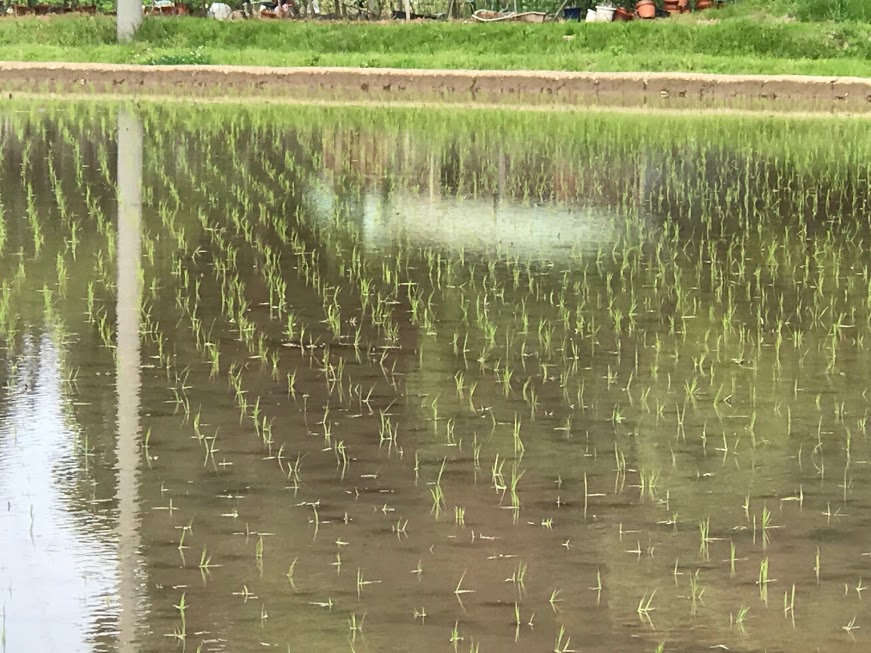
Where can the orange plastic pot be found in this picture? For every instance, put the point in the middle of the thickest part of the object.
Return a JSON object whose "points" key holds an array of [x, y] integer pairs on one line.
{"points": [[645, 9]]}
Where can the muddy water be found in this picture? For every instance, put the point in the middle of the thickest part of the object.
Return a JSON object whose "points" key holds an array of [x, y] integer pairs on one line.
{"points": [[369, 380]]}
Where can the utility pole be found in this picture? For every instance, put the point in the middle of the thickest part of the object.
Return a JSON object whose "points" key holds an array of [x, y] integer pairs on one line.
{"points": [[129, 19]]}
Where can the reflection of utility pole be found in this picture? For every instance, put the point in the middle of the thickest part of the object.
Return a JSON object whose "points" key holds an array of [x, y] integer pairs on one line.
{"points": [[432, 178], [500, 184], [127, 368], [129, 19]]}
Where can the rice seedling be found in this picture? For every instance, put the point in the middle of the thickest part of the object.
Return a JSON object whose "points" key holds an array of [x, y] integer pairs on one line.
{"points": [[704, 537], [460, 590], [696, 591], [789, 603], [361, 582], [456, 638], [563, 642], [355, 625], [645, 607], [518, 578], [763, 580], [181, 630], [851, 626]]}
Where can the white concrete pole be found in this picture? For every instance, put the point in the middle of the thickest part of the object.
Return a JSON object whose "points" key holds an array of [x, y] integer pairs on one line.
{"points": [[129, 18], [128, 373]]}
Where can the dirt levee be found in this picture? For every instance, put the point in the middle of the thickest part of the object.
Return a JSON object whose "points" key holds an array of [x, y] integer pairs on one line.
{"points": [[660, 90]]}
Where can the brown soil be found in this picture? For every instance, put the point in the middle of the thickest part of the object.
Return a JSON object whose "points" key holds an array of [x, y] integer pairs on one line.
{"points": [[655, 90]]}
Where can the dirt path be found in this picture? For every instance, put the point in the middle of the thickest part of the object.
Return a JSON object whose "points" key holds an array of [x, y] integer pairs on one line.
{"points": [[526, 88]]}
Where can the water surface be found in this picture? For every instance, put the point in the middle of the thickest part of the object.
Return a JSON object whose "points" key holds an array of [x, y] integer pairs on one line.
{"points": [[321, 380]]}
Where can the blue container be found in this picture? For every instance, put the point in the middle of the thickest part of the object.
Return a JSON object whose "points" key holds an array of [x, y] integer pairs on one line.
{"points": [[572, 13]]}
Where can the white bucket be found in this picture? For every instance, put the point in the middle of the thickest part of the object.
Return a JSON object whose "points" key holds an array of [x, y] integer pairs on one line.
{"points": [[591, 16], [604, 14]]}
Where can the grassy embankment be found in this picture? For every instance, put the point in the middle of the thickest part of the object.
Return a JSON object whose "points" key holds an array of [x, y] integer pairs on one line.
{"points": [[824, 37]]}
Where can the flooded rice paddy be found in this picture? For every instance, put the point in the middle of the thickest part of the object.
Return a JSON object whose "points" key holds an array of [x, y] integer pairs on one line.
{"points": [[379, 380]]}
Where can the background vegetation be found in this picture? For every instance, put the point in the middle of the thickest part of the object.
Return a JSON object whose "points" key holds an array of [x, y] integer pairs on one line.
{"points": [[826, 37]]}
